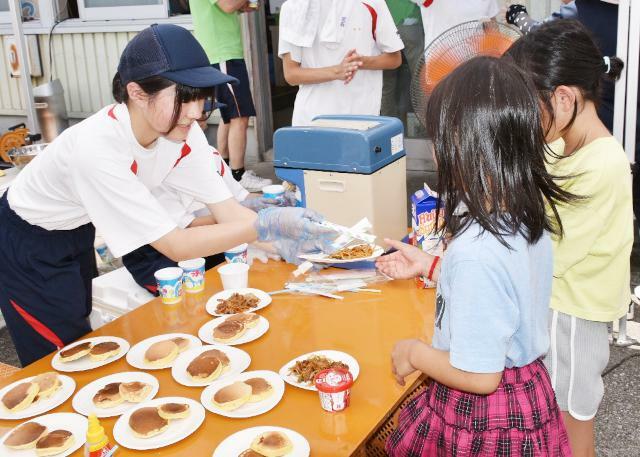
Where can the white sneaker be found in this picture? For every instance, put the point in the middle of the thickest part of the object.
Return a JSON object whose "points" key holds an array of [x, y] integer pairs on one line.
{"points": [[253, 182]]}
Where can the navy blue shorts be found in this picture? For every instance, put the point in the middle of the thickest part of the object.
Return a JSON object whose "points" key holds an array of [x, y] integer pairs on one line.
{"points": [[236, 97], [45, 283], [146, 260]]}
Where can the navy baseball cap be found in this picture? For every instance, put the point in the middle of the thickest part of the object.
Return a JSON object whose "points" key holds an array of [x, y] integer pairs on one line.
{"points": [[172, 52]]}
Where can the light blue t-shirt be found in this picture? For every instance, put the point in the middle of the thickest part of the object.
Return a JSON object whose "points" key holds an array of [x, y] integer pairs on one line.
{"points": [[492, 303]]}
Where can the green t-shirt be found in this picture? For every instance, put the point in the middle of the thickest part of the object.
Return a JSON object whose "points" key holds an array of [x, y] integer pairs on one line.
{"points": [[218, 32], [401, 10]]}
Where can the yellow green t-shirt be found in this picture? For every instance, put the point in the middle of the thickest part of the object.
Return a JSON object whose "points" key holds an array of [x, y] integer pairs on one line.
{"points": [[218, 32], [591, 268]]}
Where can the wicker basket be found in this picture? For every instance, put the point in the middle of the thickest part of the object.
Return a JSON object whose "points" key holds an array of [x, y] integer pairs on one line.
{"points": [[374, 447], [7, 370]]}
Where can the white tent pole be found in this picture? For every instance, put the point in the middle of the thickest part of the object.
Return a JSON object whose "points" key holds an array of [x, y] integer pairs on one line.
{"points": [[632, 80], [621, 85], [25, 72]]}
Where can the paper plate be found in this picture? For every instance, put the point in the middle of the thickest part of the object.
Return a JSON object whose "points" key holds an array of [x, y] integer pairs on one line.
{"points": [[212, 303], [85, 363], [238, 362], [40, 406], [240, 441], [336, 356], [178, 429], [75, 423], [248, 409], [83, 400], [324, 258], [135, 357], [206, 331]]}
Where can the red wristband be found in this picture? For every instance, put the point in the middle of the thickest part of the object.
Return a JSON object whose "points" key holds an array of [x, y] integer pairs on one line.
{"points": [[433, 267]]}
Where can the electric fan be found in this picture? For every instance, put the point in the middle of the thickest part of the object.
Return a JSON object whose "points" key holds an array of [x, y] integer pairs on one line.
{"points": [[452, 48]]}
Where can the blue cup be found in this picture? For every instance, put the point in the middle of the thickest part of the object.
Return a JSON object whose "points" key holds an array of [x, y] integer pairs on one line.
{"points": [[169, 284]]}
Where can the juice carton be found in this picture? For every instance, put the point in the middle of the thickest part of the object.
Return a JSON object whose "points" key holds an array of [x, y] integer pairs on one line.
{"points": [[423, 224]]}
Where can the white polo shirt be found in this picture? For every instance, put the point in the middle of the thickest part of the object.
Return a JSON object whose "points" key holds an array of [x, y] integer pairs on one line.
{"points": [[371, 31], [97, 172], [441, 15]]}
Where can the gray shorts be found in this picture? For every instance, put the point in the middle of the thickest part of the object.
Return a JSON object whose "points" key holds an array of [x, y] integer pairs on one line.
{"points": [[578, 355]]}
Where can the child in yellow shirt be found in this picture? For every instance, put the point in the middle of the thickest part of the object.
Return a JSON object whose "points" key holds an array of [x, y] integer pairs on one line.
{"points": [[591, 259]]}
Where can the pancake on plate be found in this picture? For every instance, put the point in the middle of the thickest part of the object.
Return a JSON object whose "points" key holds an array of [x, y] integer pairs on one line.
{"points": [[227, 331], [224, 358], [161, 353], [146, 422], [75, 352], [54, 442], [260, 389], [104, 350], [109, 396], [204, 369], [20, 397], [183, 343], [249, 320], [48, 384], [232, 396], [172, 411], [272, 444], [135, 391], [25, 436]]}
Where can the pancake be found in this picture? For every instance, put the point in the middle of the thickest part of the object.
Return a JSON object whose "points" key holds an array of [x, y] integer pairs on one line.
{"points": [[249, 320], [75, 352], [135, 391], [25, 436], [232, 396], [272, 444], [48, 383], [260, 389], [54, 442], [229, 331], [204, 369], [250, 453], [182, 343], [174, 410], [224, 359], [146, 422], [161, 353], [102, 351], [109, 396], [20, 397]]}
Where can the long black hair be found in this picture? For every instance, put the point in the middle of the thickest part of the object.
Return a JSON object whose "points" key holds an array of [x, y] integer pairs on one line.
{"points": [[485, 123], [151, 86], [563, 52]]}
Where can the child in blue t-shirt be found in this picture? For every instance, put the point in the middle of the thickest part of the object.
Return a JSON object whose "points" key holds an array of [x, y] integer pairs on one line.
{"points": [[490, 393]]}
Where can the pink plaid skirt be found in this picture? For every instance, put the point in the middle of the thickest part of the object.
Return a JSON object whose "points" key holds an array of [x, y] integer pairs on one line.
{"points": [[521, 418]]}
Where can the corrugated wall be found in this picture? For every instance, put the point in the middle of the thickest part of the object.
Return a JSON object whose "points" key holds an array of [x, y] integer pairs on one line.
{"points": [[85, 64]]}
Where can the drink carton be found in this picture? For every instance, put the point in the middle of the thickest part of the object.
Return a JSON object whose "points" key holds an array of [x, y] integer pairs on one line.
{"points": [[423, 226]]}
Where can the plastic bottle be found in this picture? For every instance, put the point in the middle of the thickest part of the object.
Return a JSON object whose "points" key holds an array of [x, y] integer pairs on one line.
{"points": [[97, 442]]}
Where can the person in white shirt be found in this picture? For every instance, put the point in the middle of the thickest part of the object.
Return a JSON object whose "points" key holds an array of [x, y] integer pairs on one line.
{"points": [[335, 50], [102, 174], [438, 16]]}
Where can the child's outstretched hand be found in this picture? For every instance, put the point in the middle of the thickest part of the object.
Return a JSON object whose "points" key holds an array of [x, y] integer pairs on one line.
{"points": [[406, 263], [400, 359]]}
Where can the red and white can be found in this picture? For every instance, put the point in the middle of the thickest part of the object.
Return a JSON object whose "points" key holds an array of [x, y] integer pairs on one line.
{"points": [[334, 387]]}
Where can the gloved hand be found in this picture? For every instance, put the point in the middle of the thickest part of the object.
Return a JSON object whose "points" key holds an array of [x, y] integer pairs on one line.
{"points": [[259, 203], [289, 250], [255, 253], [299, 224]]}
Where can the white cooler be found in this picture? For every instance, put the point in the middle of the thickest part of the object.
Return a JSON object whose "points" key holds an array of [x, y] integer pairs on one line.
{"points": [[114, 294]]}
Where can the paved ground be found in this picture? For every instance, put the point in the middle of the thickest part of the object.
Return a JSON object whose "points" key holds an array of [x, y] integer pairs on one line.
{"points": [[618, 421]]}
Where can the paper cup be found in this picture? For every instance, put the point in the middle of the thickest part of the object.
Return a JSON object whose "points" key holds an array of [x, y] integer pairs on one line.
{"points": [[273, 192], [237, 254], [169, 284], [234, 275], [193, 277]]}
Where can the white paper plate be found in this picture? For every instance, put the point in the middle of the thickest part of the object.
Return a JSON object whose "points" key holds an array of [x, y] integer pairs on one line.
{"points": [[41, 406], [336, 356], [75, 423], [178, 429], [324, 258], [206, 331], [248, 409], [212, 303], [135, 357], [240, 441], [238, 362], [83, 400], [85, 363]]}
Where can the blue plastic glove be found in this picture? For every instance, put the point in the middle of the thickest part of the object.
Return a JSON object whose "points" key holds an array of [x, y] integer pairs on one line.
{"points": [[298, 224], [289, 250], [259, 203]]}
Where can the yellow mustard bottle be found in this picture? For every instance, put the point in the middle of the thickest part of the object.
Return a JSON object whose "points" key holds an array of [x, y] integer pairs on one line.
{"points": [[97, 442]]}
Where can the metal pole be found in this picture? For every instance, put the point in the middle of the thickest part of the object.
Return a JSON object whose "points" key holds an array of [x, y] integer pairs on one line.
{"points": [[25, 73], [621, 85], [632, 80]]}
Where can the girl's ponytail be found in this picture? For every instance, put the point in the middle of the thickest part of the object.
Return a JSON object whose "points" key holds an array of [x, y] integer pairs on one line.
{"points": [[118, 90], [613, 67]]}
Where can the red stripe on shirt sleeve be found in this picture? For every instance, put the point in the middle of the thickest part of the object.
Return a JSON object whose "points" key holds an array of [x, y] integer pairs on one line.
{"points": [[427, 3], [111, 114], [186, 150], [374, 19], [38, 326], [134, 167]]}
